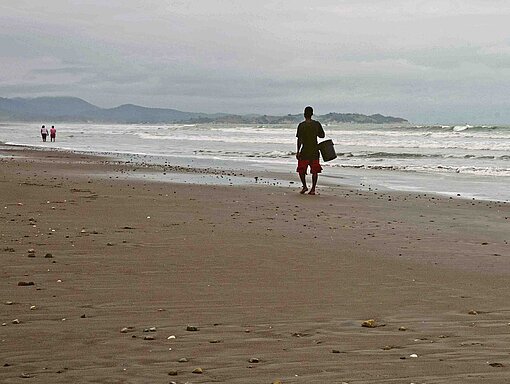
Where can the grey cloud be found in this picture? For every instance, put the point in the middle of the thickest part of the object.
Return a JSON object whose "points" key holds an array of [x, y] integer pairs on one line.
{"points": [[414, 58]]}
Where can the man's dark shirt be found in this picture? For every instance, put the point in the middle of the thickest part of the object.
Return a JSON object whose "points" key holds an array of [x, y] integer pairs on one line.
{"points": [[307, 132]]}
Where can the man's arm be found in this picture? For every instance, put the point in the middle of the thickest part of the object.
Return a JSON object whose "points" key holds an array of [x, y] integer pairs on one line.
{"points": [[321, 133], [298, 152]]}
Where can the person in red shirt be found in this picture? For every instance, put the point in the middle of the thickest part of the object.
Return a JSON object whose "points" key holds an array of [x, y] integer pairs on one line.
{"points": [[53, 133], [308, 150]]}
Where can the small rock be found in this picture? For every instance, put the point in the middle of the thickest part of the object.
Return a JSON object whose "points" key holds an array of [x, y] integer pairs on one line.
{"points": [[170, 337], [198, 371], [127, 329], [83, 316], [148, 338], [59, 281], [33, 307], [371, 323], [191, 328], [16, 321], [253, 360], [48, 256], [413, 355], [4, 324], [25, 283], [496, 365], [152, 329], [109, 244], [183, 360], [173, 373], [9, 302], [25, 376], [335, 351], [402, 329], [472, 312], [214, 341], [31, 250]]}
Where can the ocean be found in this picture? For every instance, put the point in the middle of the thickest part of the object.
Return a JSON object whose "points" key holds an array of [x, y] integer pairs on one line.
{"points": [[470, 161]]}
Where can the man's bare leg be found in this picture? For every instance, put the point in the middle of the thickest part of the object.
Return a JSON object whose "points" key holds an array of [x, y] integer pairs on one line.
{"points": [[302, 176], [315, 176]]}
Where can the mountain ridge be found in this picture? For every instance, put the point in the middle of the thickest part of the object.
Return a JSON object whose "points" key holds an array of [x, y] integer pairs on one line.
{"points": [[74, 109]]}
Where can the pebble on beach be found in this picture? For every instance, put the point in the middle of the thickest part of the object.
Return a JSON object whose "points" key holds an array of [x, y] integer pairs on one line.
{"points": [[25, 283], [371, 323]]}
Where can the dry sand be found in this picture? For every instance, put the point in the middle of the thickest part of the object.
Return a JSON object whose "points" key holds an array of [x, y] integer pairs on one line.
{"points": [[262, 272]]}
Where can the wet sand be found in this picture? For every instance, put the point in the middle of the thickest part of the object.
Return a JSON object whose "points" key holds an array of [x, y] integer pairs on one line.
{"points": [[263, 273]]}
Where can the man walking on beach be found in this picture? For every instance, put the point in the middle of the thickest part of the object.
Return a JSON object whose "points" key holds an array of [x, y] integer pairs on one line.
{"points": [[308, 149]]}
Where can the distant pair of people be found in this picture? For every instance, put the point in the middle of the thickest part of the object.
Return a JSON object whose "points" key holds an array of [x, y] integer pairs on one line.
{"points": [[44, 133]]}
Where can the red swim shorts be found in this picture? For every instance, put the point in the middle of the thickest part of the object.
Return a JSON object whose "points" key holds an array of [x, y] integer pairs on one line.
{"points": [[315, 166]]}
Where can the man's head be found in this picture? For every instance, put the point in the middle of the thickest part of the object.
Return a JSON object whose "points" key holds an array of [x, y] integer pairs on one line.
{"points": [[308, 112]]}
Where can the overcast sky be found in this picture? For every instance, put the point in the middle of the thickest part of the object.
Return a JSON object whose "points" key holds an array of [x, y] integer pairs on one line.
{"points": [[428, 61]]}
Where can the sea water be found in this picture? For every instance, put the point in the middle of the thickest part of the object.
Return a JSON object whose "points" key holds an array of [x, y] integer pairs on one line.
{"points": [[473, 161]]}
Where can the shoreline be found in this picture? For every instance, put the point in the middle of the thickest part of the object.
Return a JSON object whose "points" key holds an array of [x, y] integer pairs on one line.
{"points": [[264, 273], [362, 179]]}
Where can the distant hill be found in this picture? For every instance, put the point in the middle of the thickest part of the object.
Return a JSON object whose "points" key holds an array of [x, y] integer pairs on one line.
{"points": [[73, 109]]}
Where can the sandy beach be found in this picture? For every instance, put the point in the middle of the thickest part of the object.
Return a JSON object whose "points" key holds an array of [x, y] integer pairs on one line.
{"points": [[108, 280]]}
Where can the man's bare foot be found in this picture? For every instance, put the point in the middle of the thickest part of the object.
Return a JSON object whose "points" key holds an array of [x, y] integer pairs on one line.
{"points": [[312, 192], [303, 190]]}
